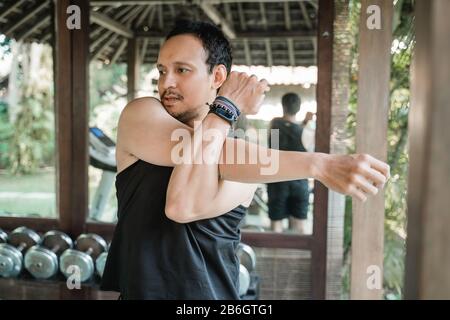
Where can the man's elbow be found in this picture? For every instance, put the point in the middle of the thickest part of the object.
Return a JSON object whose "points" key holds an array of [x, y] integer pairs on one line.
{"points": [[178, 212]]}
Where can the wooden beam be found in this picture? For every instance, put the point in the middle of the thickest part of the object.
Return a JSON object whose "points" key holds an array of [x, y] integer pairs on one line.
{"points": [[217, 18], [305, 15], [314, 45], [252, 35], [262, 9], [323, 134], [183, 2], [110, 41], [313, 3], [294, 34], [33, 12], [248, 57], [160, 18], [268, 52], [111, 24], [143, 15], [119, 51], [37, 224], [99, 40], [290, 44], [228, 14], [124, 18], [151, 17], [71, 105], [427, 254], [371, 137], [144, 50], [43, 21], [12, 7], [172, 11], [99, 29], [80, 116], [132, 68], [241, 17], [287, 16], [63, 114], [134, 2], [277, 240]]}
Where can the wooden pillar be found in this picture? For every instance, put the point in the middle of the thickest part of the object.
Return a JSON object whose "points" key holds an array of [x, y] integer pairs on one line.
{"points": [[371, 138], [72, 105], [324, 89], [428, 253], [343, 41], [132, 68]]}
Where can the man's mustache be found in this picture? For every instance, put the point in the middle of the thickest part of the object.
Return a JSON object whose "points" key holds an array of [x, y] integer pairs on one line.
{"points": [[172, 95]]}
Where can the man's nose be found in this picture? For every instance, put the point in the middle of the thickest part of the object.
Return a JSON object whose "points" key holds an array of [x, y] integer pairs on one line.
{"points": [[168, 81]]}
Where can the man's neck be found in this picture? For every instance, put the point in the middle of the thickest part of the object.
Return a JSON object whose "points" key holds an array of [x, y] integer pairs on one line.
{"points": [[200, 117], [289, 118]]}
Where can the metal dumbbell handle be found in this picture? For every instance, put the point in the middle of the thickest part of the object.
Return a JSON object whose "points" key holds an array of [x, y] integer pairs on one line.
{"points": [[42, 260], [88, 248], [11, 254]]}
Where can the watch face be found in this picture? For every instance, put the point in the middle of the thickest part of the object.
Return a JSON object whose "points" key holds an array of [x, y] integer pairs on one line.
{"points": [[223, 112]]}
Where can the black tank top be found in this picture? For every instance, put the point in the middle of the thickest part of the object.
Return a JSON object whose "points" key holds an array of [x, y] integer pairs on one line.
{"points": [[290, 135], [153, 257]]}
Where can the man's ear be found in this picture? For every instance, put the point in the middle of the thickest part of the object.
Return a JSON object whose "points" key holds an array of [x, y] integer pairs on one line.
{"points": [[220, 75]]}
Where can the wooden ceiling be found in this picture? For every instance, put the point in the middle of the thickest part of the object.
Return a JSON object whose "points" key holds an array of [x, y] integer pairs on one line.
{"points": [[269, 33]]}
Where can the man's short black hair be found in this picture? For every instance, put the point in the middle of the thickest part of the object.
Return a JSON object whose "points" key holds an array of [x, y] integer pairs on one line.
{"points": [[291, 103], [215, 43]]}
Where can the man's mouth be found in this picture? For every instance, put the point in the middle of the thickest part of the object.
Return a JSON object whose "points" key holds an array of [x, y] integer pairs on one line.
{"points": [[170, 100]]}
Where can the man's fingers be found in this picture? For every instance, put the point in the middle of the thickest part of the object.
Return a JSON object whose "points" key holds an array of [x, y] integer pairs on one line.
{"points": [[380, 166], [375, 176], [365, 185], [265, 85], [358, 194]]}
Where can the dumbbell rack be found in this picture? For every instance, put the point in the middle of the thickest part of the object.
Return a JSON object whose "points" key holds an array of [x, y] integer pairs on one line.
{"points": [[27, 288]]}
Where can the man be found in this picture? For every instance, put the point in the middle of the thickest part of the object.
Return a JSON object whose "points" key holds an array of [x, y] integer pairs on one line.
{"points": [[178, 221], [289, 199]]}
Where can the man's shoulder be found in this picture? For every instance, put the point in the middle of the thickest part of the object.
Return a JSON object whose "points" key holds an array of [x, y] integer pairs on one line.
{"points": [[142, 104], [142, 109]]}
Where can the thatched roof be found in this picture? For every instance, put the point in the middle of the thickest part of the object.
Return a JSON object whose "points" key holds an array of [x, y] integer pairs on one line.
{"points": [[262, 32]]}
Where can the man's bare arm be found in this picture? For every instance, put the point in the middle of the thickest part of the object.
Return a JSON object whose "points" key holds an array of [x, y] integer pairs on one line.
{"points": [[145, 131]]}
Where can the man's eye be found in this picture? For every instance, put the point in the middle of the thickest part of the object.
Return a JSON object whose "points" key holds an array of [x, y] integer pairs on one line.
{"points": [[182, 70], [161, 72]]}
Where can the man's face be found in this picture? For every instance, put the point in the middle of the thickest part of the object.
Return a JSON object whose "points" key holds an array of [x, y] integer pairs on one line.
{"points": [[184, 85]]}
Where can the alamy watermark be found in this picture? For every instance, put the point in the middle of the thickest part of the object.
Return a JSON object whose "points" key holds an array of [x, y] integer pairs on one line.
{"points": [[200, 148]]}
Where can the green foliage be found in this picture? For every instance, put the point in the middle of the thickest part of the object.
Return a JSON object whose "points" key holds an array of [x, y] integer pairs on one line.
{"points": [[106, 83], [32, 143], [6, 132], [27, 128]]}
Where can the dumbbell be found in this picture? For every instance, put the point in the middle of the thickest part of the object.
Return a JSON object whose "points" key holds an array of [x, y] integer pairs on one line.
{"points": [[100, 263], [247, 256], [244, 280], [42, 260], [87, 248], [3, 236], [11, 253]]}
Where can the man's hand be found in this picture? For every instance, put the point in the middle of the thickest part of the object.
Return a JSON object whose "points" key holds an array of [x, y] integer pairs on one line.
{"points": [[356, 175], [245, 91]]}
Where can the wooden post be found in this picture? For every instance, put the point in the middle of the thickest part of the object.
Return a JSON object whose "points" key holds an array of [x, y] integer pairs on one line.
{"points": [[343, 40], [71, 105], [428, 254], [63, 111], [80, 112], [324, 89], [371, 138], [132, 68]]}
